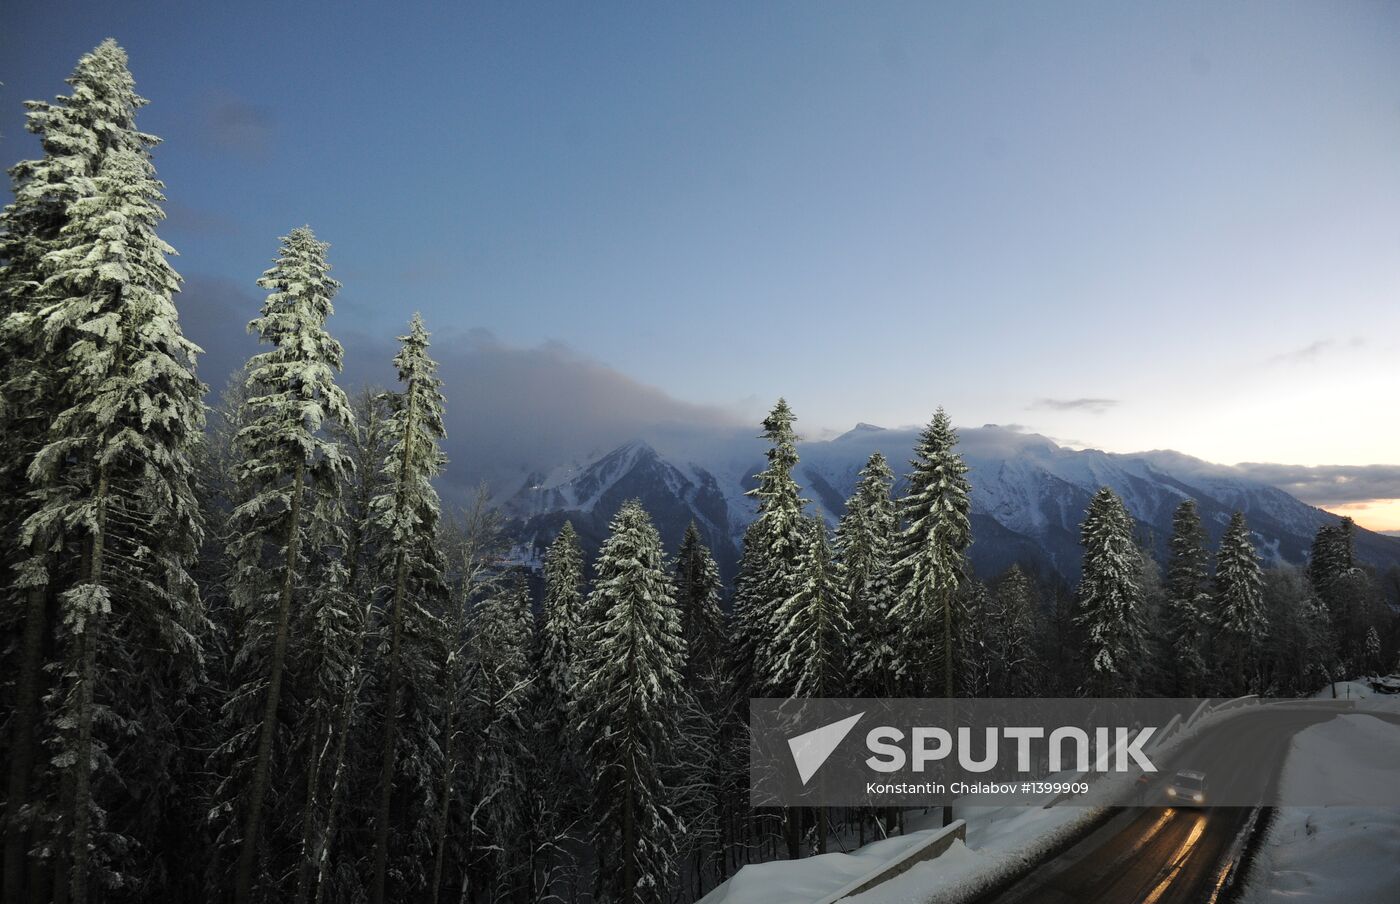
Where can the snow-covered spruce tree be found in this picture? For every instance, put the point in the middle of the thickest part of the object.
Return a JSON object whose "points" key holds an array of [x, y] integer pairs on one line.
{"points": [[698, 589], [772, 545], [413, 575], [474, 543], [931, 561], [58, 277], [1332, 555], [558, 757], [1372, 647], [976, 639], [1189, 603], [1239, 583], [810, 649], [746, 622], [865, 550], [1345, 588], [1110, 598], [116, 475], [705, 725], [560, 641], [630, 695], [290, 468], [499, 709], [1299, 652], [744, 826], [1014, 627], [1062, 649], [767, 577]]}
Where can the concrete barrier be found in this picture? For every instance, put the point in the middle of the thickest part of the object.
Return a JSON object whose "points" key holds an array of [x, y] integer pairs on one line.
{"points": [[1246, 700], [1205, 704], [926, 850], [1166, 732]]}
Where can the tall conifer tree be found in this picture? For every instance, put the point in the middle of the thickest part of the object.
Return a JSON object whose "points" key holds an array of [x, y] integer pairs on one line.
{"points": [[631, 692], [1189, 604], [1110, 597], [772, 545], [931, 560], [115, 472], [561, 643], [698, 589], [291, 466], [1240, 602], [414, 577], [810, 649], [98, 423], [865, 551], [1013, 630], [500, 702]]}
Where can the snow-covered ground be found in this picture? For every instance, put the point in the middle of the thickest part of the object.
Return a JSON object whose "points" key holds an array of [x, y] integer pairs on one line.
{"points": [[1360, 691], [1342, 853], [998, 838]]}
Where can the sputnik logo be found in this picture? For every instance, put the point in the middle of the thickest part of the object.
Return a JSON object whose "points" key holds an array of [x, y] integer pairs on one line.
{"points": [[812, 748]]}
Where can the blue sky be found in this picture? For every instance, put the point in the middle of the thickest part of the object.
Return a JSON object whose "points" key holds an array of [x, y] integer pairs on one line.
{"points": [[1127, 225]]}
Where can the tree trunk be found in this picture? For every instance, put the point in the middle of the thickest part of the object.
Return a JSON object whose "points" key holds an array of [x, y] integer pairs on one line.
{"points": [[629, 845], [391, 725], [447, 768], [319, 856], [310, 824], [247, 854], [948, 673], [87, 669], [320, 852], [794, 832], [22, 741], [391, 710]]}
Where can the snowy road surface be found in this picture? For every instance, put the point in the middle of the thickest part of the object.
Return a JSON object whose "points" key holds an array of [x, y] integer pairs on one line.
{"points": [[1168, 854]]}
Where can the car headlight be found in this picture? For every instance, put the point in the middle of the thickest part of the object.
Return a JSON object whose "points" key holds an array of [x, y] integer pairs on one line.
{"points": [[1197, 798], [1171, 792]]}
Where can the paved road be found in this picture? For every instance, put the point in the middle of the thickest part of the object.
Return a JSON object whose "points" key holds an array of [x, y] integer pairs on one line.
{"points": [[1170, 854]]}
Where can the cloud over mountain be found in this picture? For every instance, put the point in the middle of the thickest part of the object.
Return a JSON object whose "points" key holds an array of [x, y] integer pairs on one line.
{"points": [[510, 409]]}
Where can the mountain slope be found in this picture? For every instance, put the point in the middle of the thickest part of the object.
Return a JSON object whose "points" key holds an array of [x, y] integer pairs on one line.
{"points": [[1028, 495]]}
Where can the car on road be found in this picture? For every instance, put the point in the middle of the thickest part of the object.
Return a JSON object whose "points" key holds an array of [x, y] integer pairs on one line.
{"points": [[1187, 789]]}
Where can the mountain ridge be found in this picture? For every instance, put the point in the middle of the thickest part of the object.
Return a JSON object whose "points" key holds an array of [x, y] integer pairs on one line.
{"points": [[1029, 495]]}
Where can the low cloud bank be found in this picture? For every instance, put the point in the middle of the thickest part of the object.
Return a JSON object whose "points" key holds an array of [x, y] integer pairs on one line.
{"points": [[510, 410]]}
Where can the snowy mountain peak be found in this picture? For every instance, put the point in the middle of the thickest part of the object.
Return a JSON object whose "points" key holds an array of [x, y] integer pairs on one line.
{"points": [[859, 429]]}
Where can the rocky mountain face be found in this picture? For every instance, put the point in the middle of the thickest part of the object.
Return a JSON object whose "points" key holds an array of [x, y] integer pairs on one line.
{"points": [[1028, 496]]}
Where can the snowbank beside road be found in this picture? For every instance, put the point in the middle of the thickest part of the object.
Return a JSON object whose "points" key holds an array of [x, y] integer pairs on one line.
{"points": [[810, 878], [1367, 700], [1000, 842], [1344, 853]]}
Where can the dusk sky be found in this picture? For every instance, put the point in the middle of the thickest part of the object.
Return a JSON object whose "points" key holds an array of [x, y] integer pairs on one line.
{"points": [[1122, 226]]}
